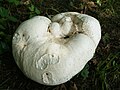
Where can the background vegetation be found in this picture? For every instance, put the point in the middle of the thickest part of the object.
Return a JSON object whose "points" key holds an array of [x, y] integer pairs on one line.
{"points": [[100, 73]]}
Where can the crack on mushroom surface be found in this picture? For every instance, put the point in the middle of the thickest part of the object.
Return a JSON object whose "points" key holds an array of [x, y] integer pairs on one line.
{"points": [[46, 60], [47, 77]]}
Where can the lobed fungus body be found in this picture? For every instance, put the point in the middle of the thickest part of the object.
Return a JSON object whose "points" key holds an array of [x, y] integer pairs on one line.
{"points": [[52, 51]]}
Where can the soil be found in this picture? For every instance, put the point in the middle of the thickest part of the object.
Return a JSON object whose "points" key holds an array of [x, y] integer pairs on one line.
{"points": [[12, 78]]}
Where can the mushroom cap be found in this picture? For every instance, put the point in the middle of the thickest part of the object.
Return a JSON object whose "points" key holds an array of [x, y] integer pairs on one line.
{"points": [[51, 52]]}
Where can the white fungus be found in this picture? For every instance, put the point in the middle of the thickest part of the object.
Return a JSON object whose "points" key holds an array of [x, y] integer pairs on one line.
{"points": [[51, 52]]}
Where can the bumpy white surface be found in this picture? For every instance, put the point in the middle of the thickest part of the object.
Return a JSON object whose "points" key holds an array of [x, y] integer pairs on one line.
{"points": [[51, 52]]}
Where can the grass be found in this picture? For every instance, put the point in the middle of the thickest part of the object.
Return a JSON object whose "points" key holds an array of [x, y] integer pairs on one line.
{"points": [[100, 73]]}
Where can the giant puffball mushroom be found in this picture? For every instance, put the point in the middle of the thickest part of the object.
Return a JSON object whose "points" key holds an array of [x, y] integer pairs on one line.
{"points": [[51, 52]]}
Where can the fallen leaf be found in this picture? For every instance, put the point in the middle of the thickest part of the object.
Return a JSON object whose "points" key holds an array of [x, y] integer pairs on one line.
{"points": [[72, 86]]}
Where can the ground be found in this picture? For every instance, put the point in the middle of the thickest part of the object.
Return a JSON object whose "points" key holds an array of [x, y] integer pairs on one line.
{"points": [[102, 72]]}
